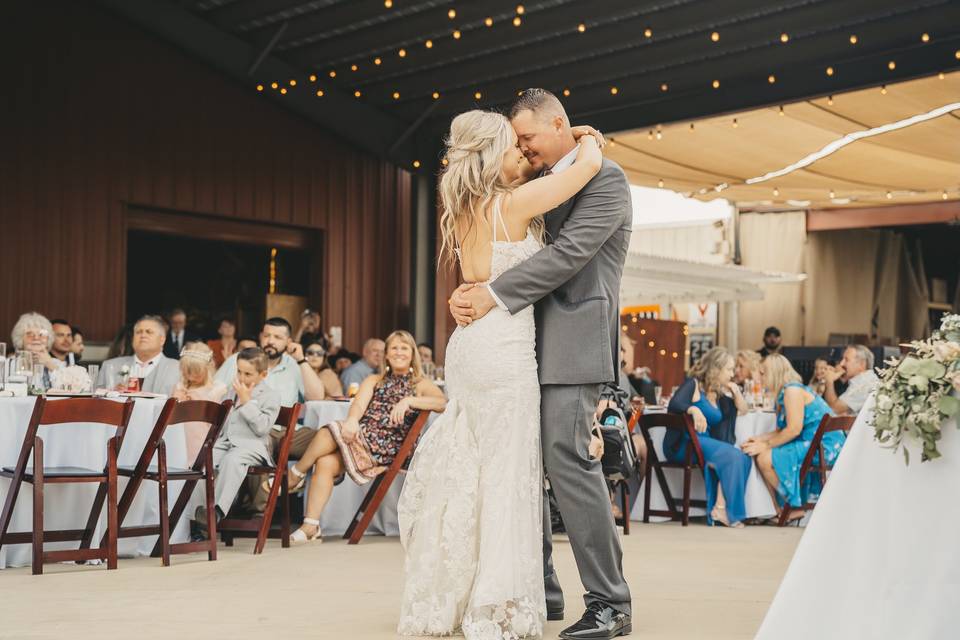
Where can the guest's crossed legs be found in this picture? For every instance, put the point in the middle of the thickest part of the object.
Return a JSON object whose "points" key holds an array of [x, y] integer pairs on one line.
{"points": [[577, 480], [324, 456]]}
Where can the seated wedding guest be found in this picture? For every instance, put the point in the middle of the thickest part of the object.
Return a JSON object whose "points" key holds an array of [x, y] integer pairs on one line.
{"points": [[342, 361], [246, 342], [747, 368], [245, 438], [714, 401], [197, 383], [426, 353], [34, 333], [311, 328], [122, 343], [771, 342], [283, 371], [365, 444], [62, 347], [157, 373], [818, 381], [323, 383], [780, 453], [368, 365], [178, 335], [226, 345], [856, 369], [77, 344]]}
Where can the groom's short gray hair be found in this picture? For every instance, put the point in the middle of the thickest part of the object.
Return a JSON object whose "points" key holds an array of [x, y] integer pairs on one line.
{"points": [[541, 102]]}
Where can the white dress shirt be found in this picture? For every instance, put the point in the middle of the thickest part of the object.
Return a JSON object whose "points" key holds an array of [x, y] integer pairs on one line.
{"points": [[559, 166], [142, 369]]}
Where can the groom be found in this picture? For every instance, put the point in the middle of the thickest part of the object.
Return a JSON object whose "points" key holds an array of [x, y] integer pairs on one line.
{"points": [[575, 284]]}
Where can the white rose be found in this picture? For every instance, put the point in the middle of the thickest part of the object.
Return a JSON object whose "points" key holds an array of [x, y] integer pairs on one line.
{"points": [[884, 403]]}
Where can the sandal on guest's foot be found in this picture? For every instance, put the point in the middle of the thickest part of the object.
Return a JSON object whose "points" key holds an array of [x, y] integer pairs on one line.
{"points": [[719, 515], [299, 536]]}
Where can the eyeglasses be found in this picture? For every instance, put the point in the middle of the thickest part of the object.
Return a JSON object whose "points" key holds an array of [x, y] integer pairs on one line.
{"points": [[314, 352]]}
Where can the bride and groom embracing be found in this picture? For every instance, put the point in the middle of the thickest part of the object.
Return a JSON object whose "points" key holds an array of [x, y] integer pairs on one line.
{"points": [[540, 223]]}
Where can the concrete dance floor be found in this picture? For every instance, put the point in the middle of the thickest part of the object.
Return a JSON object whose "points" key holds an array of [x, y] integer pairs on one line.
{"points": [[692, 582]]}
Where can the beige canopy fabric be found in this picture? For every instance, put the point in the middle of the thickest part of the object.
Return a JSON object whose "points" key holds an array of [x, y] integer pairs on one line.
{"points": [[915, 164]]}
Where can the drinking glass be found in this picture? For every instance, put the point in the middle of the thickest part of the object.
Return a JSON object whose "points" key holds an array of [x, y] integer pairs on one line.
{"points": [[438, 374], [24, 364], [93, 371], [37, 385], [658, 394]]}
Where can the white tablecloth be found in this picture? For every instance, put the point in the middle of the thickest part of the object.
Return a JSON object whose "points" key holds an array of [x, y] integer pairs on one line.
{"points": [[348, 495], [879, 558], [758, 501], [67, 506]]}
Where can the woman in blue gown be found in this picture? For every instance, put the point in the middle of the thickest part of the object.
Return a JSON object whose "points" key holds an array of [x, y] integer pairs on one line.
{"points": [[714, 401], [780, 453]]}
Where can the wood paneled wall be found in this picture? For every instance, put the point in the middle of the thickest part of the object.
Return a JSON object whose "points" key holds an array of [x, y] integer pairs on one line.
{"points": [[96, 115]]}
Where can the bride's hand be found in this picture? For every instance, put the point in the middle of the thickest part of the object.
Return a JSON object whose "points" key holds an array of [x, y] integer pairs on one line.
{"points": [[587, 130]]}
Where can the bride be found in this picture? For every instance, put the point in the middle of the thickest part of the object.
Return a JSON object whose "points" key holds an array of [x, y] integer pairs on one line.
{"points": [[470, 513]]}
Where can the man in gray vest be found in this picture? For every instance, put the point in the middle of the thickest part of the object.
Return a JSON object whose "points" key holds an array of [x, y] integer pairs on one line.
{"points": [[574, 283]]}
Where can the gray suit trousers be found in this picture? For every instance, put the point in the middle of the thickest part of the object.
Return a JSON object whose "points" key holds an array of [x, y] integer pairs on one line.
{"points": [[577, 481], [231, 463]]}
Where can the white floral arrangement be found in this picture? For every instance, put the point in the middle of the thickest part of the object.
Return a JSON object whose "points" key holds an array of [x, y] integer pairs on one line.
{"points": [[917, 393], [71, 378]]}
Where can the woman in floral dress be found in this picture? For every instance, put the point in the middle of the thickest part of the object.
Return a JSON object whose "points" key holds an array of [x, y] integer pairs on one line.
{"points": [[366, 443], [780, 453]]}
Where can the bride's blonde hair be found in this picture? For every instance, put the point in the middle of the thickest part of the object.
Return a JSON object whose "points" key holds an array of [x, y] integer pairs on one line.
{"points": [[473, 177]]}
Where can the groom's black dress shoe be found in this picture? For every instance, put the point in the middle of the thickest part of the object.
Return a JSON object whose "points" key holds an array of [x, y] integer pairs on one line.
{"points": [[599, 621], [554, 614]]}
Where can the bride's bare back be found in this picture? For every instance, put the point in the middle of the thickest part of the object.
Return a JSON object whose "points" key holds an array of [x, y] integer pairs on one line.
{"points": [[476, 244]]}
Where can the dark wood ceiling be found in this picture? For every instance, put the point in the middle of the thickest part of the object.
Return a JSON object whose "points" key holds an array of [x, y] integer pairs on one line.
{"points": [[632, 63]]}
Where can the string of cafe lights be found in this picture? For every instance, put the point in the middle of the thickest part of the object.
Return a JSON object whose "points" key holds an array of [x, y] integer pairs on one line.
{"points": [[614, 90]]}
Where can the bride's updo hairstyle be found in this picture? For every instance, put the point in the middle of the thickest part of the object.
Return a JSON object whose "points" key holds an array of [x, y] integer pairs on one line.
{"points": [[475, 148]]}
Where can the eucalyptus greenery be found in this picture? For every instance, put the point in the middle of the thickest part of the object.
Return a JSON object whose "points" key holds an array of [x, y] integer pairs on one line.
{"points": [[917, 393]]}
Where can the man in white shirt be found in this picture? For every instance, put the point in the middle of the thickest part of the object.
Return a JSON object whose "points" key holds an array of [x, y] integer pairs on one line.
{"points": [[368, 365], [856, 369], [158, 374]]}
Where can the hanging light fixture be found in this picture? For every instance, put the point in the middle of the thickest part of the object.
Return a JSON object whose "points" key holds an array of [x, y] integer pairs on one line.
{"points": [[784, 38], [716, 84]]}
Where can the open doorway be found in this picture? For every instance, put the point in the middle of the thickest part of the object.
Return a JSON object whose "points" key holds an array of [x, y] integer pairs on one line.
{"points": [[214, 269]]}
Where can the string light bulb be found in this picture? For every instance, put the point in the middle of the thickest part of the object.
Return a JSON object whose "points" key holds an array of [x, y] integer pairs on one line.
{"points": [[771, 78], [883, 89], [357, 94], [402, 53], [735, 123], [566, 93], [891, 65], [614, 91], [520, 9], [293, 83], [832, 194], [691, 127], [716, 84], [416, 164], [650, 135], [274, 85], [456, 34], [313, 78], [829, 71], [353, 67], [259, 87], [283, 90], [377, 61], [428, 44], [889, 196], [396, 95], [925, 37], [444, 162], [517, 21], [956, 54], [781, 112], [776, 192], [319, 93], [436, 95], [940, 75], [651, 344], [478, 95], [488, 22], [332, 74], [784, 38], [664, 87], [452, 14], [854, 39], [648, 32], [715, 36], [388, 3], [944, 194], [581, 27], [660, 183], [830, 100]]}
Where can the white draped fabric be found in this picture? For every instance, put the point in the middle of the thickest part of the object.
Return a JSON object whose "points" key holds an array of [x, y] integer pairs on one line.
{"points": [[880, 557], [67, 506]]}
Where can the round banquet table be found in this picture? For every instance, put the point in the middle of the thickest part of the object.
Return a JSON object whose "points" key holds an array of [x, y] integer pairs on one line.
{"points": [[348, 495], [67, 506], [758, 501]]}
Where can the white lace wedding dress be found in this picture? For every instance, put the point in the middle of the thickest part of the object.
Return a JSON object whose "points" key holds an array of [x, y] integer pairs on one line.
{"points": [[471, 509]]}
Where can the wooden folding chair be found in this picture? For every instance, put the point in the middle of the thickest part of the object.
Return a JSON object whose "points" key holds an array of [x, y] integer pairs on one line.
{"points": [[261, 524], [381, 484], [201, 470], [51, 413], [827, 424], [693, 459]]}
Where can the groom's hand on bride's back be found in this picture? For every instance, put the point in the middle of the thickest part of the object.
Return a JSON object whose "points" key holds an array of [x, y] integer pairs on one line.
{"points": [[470, 302]]}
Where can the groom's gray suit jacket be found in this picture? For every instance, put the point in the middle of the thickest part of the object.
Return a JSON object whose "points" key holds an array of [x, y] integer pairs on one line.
{"points": [[575, 282]]}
